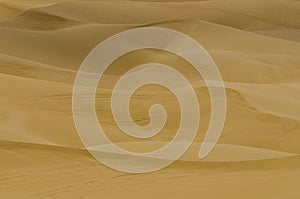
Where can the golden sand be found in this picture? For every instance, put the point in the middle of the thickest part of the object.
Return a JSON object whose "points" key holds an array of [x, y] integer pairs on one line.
{"points": [[256, 47]]}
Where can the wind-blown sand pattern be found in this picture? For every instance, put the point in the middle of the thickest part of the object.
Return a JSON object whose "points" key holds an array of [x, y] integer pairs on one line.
{"points": [[256, 47]]}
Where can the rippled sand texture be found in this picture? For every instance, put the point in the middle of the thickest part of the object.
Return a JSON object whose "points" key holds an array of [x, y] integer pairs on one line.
{"points": [[256, 47]]}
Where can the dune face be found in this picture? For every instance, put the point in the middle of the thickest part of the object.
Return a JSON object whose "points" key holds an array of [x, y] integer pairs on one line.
{"points": [[255, 45]]}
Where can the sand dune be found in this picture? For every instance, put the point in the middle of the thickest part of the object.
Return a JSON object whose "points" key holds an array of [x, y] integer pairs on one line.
{"points": [[256, 46]]}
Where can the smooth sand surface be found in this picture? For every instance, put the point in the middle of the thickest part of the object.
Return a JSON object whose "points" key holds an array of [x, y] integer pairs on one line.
{"points": [[256, 47]]}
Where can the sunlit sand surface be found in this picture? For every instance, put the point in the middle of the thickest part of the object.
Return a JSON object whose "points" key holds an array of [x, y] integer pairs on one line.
{"points": [[256, 47]]}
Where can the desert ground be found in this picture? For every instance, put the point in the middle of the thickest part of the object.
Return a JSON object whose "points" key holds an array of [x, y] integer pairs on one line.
{"points": [[255, 45]]}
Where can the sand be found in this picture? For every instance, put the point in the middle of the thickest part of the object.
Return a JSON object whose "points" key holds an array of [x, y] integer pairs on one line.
{"points": [[256, 47]]}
